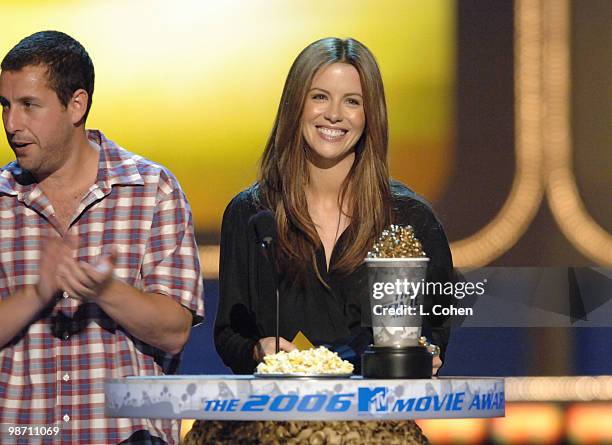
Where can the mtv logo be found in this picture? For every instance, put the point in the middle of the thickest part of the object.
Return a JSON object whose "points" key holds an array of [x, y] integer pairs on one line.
{"points": [[373, 400]]}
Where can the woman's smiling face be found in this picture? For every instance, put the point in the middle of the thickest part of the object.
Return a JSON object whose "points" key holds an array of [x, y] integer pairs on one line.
{"points": [[333, 118]]}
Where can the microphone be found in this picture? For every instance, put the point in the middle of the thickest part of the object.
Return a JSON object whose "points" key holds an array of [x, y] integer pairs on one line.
{"points": [[265, 230]]}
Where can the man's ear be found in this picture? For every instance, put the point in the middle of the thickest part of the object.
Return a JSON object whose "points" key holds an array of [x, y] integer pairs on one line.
{"points": [[78, 106]]}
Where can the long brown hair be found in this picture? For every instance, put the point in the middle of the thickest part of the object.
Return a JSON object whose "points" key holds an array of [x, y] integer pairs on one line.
{"points": [[283, 172]]}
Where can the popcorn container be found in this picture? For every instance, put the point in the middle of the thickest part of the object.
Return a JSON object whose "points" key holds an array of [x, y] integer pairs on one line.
{"points": [[396, 298], [397, 292]]}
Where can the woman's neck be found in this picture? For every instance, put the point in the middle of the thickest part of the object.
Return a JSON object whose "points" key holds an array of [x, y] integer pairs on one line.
{"points": [[325, 184], [329, 216]]}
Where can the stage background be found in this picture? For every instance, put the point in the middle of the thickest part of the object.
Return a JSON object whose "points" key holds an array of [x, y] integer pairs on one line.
{"points": [[195, 85]]}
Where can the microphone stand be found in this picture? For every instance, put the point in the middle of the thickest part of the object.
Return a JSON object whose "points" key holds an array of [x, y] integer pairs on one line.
{"points": [[277, 323], [268, 246]]}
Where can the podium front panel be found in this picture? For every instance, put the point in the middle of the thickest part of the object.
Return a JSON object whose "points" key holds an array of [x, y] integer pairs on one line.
{"points": [[252, 398]]}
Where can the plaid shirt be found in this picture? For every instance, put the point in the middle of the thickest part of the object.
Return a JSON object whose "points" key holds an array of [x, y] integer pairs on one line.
{"points": [[53, 372]]}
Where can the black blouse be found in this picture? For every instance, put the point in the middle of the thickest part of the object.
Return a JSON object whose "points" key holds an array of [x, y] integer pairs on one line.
{"points": [[331, 316]]}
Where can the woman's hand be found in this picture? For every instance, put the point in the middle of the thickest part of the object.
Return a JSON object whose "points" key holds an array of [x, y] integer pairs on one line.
{"points": [[437, 363], [267, 345]]}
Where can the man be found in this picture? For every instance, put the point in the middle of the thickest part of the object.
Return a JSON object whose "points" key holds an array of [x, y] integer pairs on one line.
{"points": [[99, 271]]}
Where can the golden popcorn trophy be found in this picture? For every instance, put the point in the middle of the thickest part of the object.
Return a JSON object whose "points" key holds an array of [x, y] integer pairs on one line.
{"points": [[397, 269]]}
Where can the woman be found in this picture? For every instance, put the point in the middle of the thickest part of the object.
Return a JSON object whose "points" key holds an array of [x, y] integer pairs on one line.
{"points": [[324, 176]]}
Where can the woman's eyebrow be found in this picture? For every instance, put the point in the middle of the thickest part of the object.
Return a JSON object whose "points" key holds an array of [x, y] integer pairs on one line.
{"points": [[328, 93]]}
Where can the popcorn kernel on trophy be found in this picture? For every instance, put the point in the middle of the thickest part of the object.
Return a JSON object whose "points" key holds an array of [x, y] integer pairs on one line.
{"points": [[397, 267]]}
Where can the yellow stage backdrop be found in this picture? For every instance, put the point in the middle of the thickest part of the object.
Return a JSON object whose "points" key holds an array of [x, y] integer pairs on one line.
{"points": [[195, 85]]}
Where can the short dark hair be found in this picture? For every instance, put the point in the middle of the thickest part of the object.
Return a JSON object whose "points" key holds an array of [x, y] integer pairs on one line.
{"points": [[69, 67]]}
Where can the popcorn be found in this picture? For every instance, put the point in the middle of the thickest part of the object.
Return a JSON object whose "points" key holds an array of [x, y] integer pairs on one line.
{"points": [[310, 361], [397, 242]]}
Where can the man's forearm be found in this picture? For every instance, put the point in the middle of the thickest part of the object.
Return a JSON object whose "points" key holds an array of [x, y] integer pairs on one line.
{"points": [[155, 319], [17, 311]]}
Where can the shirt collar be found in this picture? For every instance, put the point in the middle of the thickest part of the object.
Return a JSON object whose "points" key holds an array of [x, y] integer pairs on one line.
{"points": [[14, 180], [116, 166]]}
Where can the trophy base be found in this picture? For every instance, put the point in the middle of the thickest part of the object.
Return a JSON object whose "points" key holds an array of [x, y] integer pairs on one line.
{"points": [[412, 362]]}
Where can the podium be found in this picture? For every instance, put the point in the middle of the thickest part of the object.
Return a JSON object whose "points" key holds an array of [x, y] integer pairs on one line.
{"points": [[218, 397]]}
